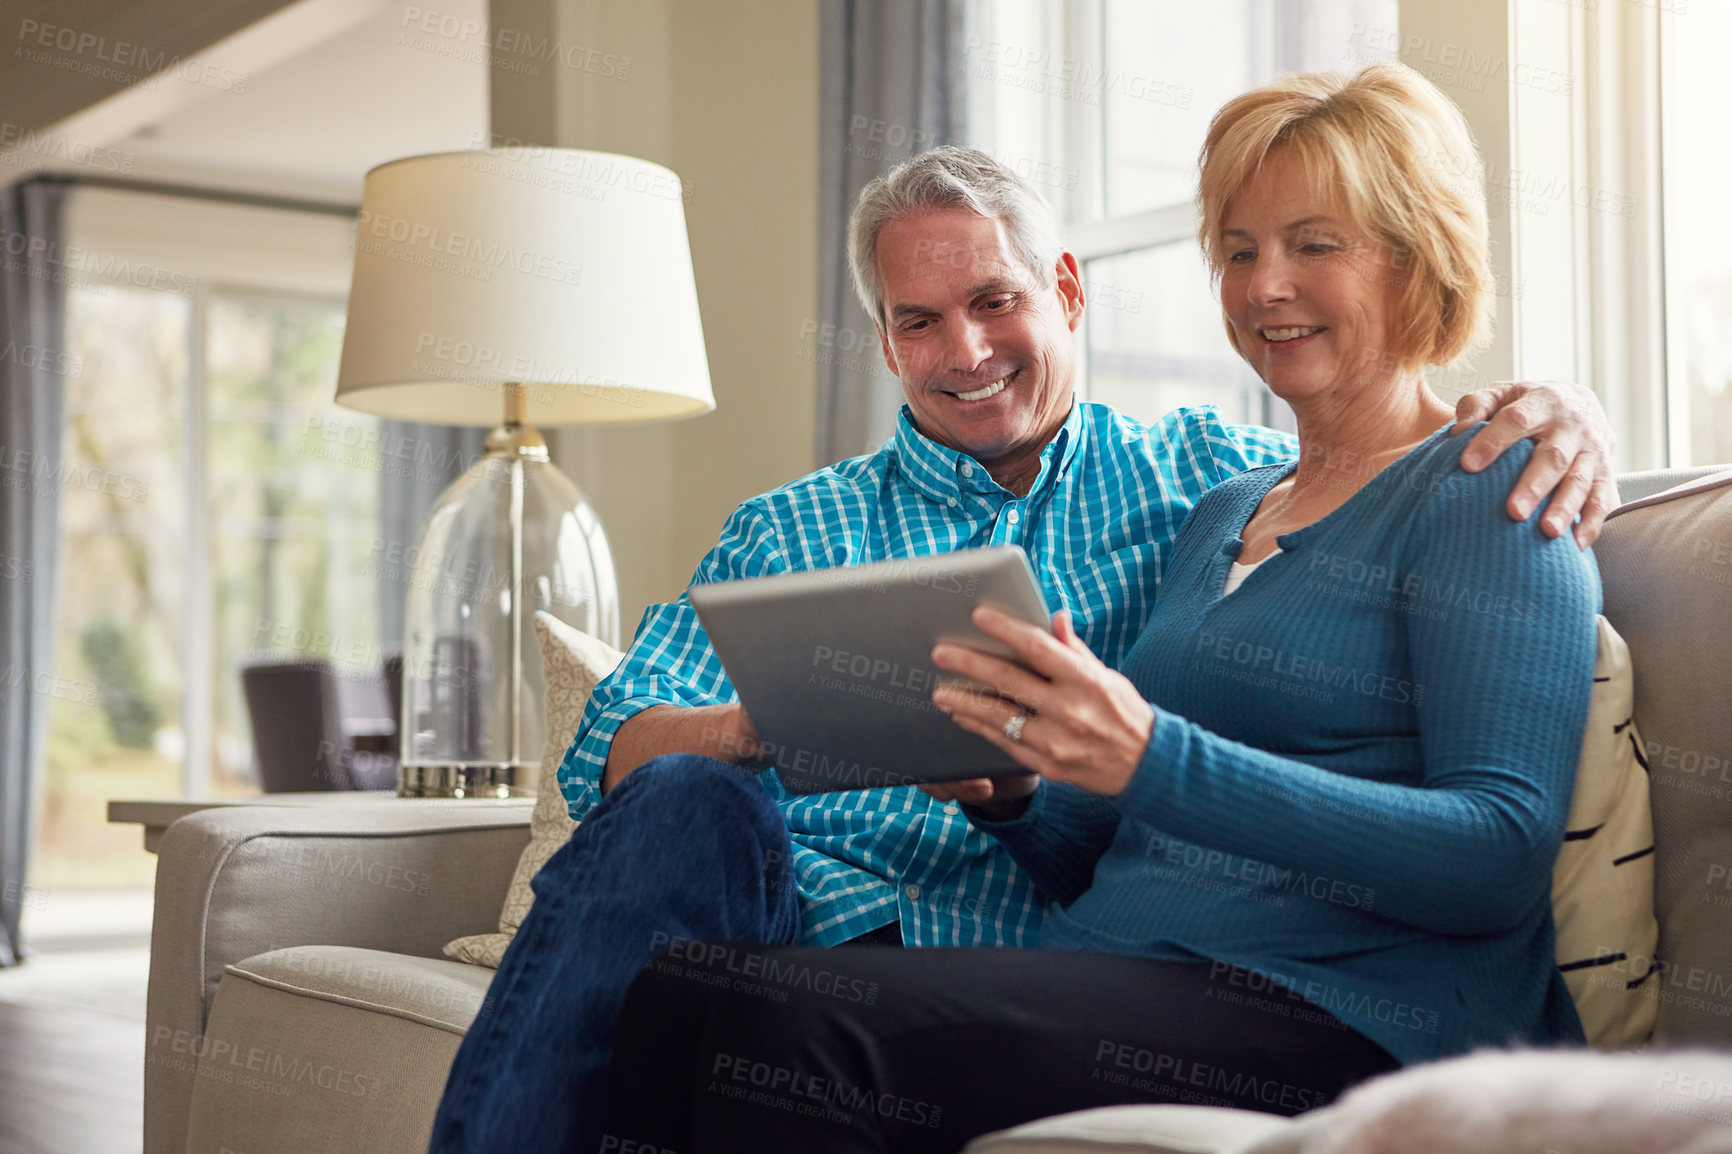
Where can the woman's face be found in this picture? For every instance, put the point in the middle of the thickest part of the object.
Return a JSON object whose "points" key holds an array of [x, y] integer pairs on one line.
{"points": [[1312, 301]]}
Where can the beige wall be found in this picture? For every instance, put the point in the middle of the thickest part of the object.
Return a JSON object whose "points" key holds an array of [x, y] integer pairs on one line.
{"points": [[724, 92]]}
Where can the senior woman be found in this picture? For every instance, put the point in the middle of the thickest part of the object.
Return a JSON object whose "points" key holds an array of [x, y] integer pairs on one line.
{"points": [[1306, 835]]}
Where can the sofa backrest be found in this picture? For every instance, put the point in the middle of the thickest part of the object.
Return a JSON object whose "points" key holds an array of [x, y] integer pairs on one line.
{"points": [[1666, 563]]}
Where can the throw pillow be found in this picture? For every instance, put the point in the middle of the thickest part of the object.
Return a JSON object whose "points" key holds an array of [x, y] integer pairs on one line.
{"points": [[572, 664], [1603, 883]]}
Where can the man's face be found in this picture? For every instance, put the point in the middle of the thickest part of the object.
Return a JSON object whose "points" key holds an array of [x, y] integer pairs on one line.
{"points": [[984, 349]]}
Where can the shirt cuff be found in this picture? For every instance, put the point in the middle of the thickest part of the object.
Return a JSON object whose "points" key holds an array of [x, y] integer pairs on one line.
{"points": [[589, 750]]}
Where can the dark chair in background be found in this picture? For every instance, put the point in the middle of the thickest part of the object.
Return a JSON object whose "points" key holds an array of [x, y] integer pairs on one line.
{"points": [[314, 731]]}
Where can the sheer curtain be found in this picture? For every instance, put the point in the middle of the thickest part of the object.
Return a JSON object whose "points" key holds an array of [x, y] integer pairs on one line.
{"points": [[33, 370], [889, 89]]}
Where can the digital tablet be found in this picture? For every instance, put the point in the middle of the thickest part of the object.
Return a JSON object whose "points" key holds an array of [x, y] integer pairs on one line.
{"points": [[834, 666]]}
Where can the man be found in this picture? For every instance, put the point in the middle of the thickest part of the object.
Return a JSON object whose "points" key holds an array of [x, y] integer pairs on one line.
{"points": [[976, 304]]}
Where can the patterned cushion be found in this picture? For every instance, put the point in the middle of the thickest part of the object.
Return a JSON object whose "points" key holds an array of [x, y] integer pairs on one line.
{"points": [[573, 663], [1603, 884]]}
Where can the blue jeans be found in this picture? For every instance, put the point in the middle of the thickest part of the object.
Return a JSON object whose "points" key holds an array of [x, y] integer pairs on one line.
{"points": [[684, 847]]}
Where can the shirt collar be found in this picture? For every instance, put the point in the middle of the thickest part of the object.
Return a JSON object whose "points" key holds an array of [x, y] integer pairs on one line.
{"points": [[941, 474]]}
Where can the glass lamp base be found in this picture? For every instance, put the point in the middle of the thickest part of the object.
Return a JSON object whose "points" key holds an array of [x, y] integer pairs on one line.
{"points": [[511, 538], [459, 781]]}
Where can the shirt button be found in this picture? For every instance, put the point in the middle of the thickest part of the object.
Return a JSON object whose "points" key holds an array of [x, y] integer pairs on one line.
{"points": [[951, 808], [1015, 516], [913, 892], [967, 469], [951, 501]]}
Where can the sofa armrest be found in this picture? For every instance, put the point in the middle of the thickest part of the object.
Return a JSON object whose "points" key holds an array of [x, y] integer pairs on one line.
{"points": [[233, 882]]}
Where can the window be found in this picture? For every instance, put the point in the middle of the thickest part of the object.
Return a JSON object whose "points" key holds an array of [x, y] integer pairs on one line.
{"points": [[1103, 105], [206, 522], [1698, 243], [119, 613], [289, 521]]}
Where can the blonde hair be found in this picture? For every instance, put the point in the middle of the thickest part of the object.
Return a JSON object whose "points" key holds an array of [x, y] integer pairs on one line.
{"points": [[1405, 163]]}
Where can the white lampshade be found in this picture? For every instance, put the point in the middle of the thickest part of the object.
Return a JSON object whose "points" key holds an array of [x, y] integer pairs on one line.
{"points": [[564, 271]]}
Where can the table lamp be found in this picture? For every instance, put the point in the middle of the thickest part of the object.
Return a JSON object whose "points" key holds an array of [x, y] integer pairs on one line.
{"points": [[494, 288]]}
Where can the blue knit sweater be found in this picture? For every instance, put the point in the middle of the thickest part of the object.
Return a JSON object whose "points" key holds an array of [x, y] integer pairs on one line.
{"points": [[1360, 766]]}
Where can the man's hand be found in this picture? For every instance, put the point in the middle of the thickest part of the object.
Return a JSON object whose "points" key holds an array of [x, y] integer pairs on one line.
{"points": [[999, 798], [723, 732], [1572, 458]]}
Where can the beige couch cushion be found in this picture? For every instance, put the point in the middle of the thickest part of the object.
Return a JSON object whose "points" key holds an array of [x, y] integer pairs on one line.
{"points": [[440, 994], [573, 663], [329, 1048], [1666, 562]]}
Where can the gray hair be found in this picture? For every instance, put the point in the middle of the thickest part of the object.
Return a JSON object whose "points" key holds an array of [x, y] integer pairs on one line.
{"points": [[950, 177]]}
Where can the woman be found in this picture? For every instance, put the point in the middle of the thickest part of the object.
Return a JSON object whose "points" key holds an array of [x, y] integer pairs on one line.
{"points": [[1306, 833]]}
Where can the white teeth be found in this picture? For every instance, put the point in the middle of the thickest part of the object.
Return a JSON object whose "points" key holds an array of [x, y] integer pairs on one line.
{"points": [[982, 394], [1290, 334]]}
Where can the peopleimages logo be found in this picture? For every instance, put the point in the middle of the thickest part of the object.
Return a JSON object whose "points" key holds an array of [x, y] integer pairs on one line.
{"points": [[28, 143], [120, 60], [1116, 1061], [29, 252], [783, 1088], [455, 359], [729, 962], [1343, 1003], [839, 770], [1302, 670], [464, 246], [1188, 856], [1388, 587], [253, 1066]]}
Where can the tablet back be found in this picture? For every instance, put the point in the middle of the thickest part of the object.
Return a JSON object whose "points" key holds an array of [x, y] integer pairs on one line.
{"points": [[834, 666]]}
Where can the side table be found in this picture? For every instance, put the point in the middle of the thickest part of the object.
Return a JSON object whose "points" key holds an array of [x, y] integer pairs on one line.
{"points": [[156, 815]]}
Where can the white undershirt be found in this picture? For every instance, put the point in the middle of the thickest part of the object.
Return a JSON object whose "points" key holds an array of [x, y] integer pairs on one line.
{"points": [[1236, 573]]}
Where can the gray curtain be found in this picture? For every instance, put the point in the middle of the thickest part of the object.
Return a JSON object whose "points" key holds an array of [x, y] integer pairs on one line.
{"points": [[890, 87], [439, 454], [33, 371]]}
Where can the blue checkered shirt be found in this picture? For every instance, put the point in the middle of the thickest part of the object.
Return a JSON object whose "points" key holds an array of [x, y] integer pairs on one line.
{"points": [[1097, 524]]}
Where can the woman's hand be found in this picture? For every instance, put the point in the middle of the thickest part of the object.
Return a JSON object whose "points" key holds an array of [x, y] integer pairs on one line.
{"points": [[1085, 724]]}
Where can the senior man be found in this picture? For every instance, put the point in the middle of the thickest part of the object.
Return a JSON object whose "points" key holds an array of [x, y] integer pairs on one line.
{"points": [[976, 304]]}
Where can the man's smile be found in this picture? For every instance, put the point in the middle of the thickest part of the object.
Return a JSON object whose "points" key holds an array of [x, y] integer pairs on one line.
{"points": [[981, 394], [984, 392]]}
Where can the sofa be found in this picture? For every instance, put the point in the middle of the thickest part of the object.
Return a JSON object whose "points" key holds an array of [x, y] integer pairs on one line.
{"points": [[300, 1000]]}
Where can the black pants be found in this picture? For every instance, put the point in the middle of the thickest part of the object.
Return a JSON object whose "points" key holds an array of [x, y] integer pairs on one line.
{"points": [[726, 1047]]}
